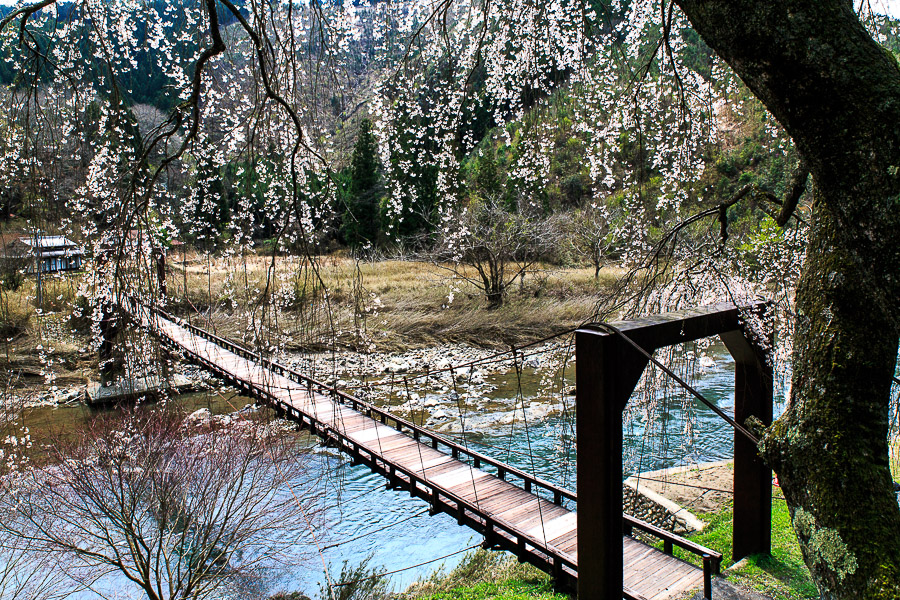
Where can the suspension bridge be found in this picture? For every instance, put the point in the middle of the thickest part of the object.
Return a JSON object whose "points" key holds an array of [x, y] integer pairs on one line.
{"points": [[514, 510]]}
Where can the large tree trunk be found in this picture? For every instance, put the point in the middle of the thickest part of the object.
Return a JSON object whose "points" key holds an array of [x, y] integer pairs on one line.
{"points": [[837, 93]]}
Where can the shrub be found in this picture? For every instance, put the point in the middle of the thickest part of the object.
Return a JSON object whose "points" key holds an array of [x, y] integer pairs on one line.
{"points": [[15, 313], [12, 273], [357, 582]]}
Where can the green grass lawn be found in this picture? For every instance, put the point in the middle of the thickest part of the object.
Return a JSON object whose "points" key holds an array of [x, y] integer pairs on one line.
{"points": [[783, 575], [512, 589], [485, 575], [491, 576]]}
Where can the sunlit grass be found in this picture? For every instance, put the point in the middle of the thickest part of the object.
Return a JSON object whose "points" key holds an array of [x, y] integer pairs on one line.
{"points": [[782, 576], [507, 590], [486, 575]]}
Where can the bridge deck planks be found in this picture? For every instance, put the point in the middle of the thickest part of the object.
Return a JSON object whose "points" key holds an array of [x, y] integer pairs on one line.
{"points": [[649, 572]]}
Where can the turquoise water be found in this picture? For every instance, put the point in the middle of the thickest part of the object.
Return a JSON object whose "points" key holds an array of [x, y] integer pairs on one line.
{"points": [[357, 518], [366, 507]]}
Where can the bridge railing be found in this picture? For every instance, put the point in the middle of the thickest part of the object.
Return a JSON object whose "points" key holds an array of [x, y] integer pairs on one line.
{"points": [[711, 559], [491, 526], [530, 483]]}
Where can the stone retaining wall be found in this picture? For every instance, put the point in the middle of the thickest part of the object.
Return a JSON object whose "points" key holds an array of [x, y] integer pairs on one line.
{"points": [[646, 505]]}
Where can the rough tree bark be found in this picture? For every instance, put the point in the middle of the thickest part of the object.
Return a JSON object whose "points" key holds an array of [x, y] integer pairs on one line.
{"points": [[837, 93]]}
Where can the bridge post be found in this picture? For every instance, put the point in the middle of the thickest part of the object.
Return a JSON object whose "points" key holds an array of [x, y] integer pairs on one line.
{"points": [[159, 258], [109, 328], [753, 396], [606, 372]]}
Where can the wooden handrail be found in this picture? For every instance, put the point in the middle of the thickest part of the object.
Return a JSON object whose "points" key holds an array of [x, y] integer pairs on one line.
{"points": [[558, 492], [668, 536], [710, 558]]}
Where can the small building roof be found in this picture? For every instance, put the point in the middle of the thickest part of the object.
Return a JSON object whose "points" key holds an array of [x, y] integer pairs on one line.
{"points": [[50, 245], [48, 241]]}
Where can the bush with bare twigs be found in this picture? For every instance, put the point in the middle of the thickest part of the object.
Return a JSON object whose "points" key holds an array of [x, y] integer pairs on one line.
{"points": [[498, 244], [175, 509]]}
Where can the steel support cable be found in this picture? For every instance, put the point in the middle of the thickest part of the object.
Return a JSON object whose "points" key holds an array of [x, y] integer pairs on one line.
{"points": [[490, 360], [734, 424], [378, 438], [462, 424], [511, 436], [641, 455], [337, 409], [521, 396], [321, 549], [374, 531], [565, 421], [412, 484], [689, 485], [306, 518], [386, 573], [486, 445], [493, 358], [464, 435], [664, 446]]}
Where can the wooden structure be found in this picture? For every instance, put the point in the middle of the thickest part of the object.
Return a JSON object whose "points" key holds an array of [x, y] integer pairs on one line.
{"points": [[514, 510], [608, 369], [126, 389], [46, 253]]}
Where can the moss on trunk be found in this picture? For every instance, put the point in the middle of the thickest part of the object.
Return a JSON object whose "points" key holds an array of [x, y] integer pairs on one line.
{"points": [[837, 93]]}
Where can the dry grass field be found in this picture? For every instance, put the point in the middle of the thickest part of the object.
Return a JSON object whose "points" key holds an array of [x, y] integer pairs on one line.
{"points": [[337, 303], [393, 304], [334, 303]]}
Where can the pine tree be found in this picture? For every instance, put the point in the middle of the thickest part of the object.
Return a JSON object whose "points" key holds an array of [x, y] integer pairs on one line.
{"points": [[361, 223]]}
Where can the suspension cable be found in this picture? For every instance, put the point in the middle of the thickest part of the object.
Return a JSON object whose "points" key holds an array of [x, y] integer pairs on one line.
{"points": [[460, 407], [521, 396], [374, 531], [734, 424], [491, 358]]}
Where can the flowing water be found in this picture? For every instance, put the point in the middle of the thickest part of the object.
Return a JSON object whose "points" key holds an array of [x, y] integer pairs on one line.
{"points": [[388, 525], [509, 420]]}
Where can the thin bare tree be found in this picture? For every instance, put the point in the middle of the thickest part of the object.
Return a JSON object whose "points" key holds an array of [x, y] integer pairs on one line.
{"points": [[178, 510], [497, 244]]}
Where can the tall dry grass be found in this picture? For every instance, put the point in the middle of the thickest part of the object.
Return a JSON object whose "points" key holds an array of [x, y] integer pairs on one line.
{"points": [[16, 312], [19, 307], [392, 304]]}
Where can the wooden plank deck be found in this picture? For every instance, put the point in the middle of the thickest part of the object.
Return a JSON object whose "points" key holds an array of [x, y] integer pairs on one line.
{"points": [[536, 529]]}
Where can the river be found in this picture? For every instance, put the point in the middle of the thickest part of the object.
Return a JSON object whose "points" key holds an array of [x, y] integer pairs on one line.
{"points": [[412, 538], [362, 519]]}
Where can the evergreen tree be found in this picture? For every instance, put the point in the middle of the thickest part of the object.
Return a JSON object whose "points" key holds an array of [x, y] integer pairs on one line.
{"points": [[361, 223]]}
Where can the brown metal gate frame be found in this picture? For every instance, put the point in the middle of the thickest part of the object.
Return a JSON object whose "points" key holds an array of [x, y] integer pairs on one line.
{"points": [[607, 370]]}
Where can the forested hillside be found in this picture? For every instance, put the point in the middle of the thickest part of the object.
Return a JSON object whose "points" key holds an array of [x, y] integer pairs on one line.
{"points": [[381, 173], [332, 184]]}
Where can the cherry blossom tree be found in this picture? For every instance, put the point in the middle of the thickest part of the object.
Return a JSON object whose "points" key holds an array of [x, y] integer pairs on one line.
{"points": [[814, 67], [655, 87], [174, 510]]}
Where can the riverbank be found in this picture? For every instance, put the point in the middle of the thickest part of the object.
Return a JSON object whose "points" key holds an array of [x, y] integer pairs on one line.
{"points": [[380, 315], [706, 490]]}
